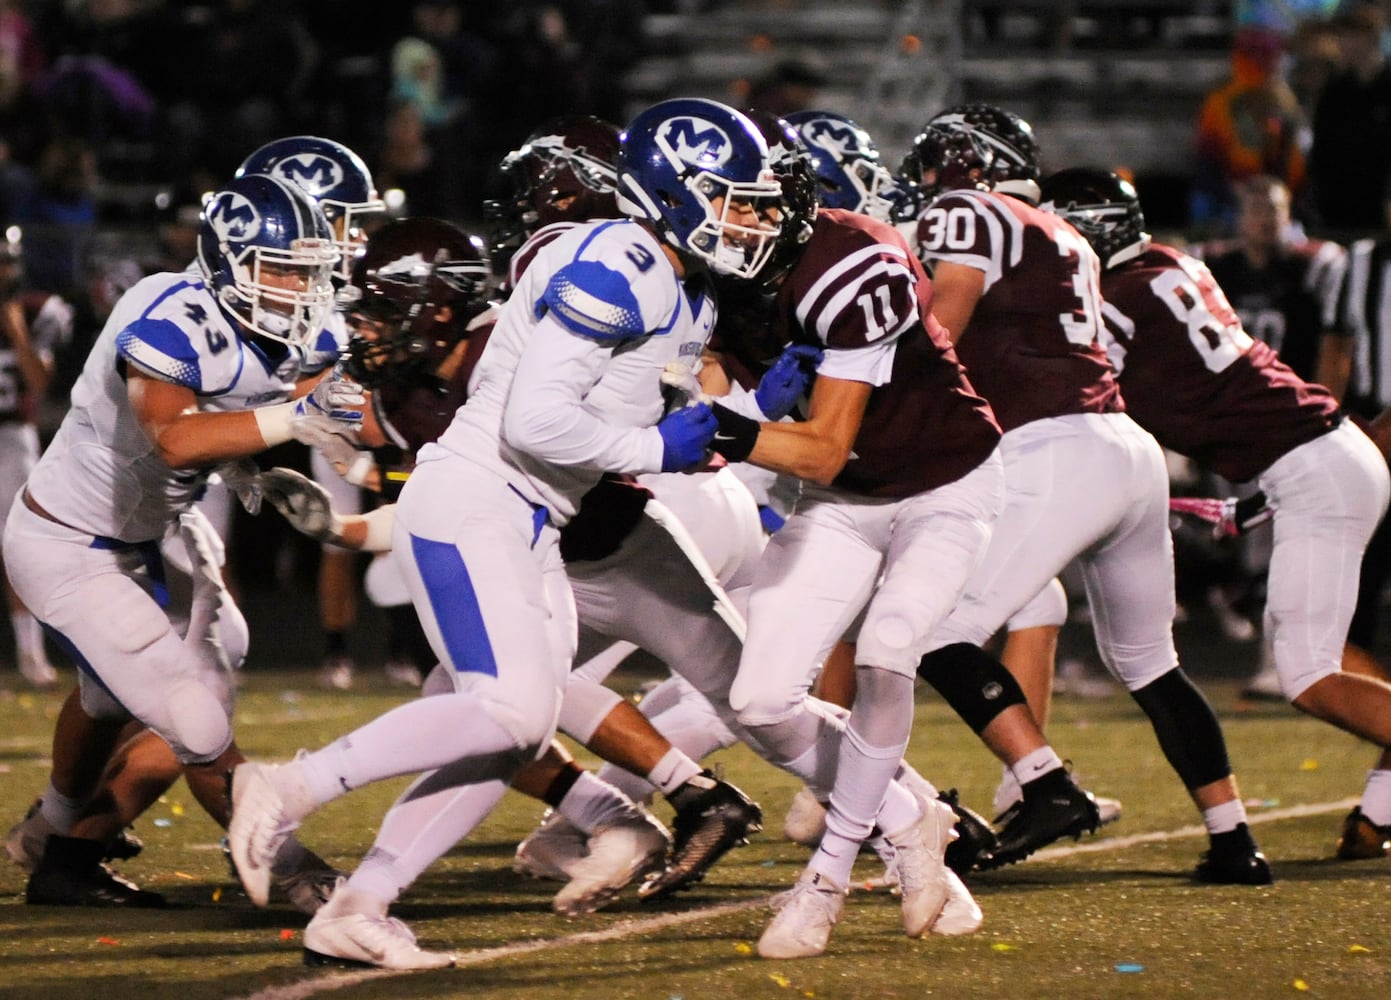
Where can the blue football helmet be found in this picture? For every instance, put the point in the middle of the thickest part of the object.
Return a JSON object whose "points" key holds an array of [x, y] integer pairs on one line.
{"points": [[677, 158], [267, 254], [847, 164], [331, 174]]}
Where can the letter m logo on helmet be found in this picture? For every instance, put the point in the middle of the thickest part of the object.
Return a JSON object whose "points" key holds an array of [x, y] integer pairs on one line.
{"points": [[315, 174], [232, 216], [694, 143]]}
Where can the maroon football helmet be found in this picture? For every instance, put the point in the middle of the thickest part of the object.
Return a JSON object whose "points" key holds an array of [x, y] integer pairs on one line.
{"points": [[975, 146], [566, 171], [417, 286]]}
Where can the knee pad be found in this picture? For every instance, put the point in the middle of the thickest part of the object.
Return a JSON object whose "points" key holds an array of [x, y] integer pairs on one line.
{"points": [[585, 706], [1187, 729], [198, 726], [975, 684]]}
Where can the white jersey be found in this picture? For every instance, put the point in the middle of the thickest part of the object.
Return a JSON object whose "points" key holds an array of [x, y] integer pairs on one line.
{"points": [[620, 316], [102, 474]]}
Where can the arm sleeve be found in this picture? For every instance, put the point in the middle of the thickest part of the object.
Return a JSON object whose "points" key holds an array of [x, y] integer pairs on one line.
{"points": [[545, 415]]}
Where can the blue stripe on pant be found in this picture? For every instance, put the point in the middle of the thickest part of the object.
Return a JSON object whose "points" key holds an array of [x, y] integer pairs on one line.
{"points": [[455, 605]]}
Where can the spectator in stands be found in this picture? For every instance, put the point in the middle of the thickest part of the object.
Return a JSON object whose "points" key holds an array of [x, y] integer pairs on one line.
{"points": [[1250, 125], [1352, 130]]}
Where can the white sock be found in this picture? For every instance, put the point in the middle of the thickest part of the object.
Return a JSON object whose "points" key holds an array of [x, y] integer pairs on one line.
{"points": [[435, 813], [1376, 797], [1008, 792], [60, 810], [591, 804], [1036, 764], [863, 779], [421, 735], [1224, 818], [672, 771], [28, 635]]}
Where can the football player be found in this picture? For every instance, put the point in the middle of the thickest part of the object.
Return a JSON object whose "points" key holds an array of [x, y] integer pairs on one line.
{"points": [[1018, 290], [339, 182], [1207, 389], [33, 324], [192, 369], [567, 388], [901, 481], [849, 171]]}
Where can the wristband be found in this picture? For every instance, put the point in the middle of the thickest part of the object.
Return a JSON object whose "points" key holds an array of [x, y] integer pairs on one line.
{"points": [[380, 522], [736, 436], [274, 422]]}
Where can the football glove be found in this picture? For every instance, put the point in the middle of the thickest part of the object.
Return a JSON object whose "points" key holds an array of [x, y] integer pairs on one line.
{"points": [[335, 397], [1229, 517], [785, 382], [302, 502], [685, 434]]}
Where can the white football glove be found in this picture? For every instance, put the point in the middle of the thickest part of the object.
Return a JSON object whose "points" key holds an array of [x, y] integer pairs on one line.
{"points": [[335, 397], [338, 443], [302, 502], [243, 478]]}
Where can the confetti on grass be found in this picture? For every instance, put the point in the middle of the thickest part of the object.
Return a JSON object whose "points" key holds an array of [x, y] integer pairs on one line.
{"points": [[1002, 946], [1128, 967], [107, 940], [743, 948], [1301, 985], [286, 934]]}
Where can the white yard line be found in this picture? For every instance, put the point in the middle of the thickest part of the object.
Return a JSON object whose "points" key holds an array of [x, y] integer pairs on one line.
{"points": [[648, 925]]}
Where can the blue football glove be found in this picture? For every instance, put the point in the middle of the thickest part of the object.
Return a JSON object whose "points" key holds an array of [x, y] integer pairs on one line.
{"points": [[685, 434], [336, 397], [785, 382]]}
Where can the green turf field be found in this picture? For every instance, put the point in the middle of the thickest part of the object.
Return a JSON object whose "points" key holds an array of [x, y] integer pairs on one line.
{"points": [[1117, 918]]}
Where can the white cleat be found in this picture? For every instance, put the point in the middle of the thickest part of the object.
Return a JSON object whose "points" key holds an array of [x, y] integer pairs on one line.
{"points": [[552, 851], [961, 914], [920, 857], [258, 829], [37, 671], [1108, 809], [350, 931], [805, 823], [806, 914], [402, 673], [618, 853]]}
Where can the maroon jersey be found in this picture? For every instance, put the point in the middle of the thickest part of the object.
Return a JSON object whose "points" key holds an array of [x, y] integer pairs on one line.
{"points": [[1032, 346], [859, 292], [1287, 303], [1195, 379]]}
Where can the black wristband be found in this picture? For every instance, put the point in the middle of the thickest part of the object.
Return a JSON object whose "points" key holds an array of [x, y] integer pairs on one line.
{"points": [[736, 436]]}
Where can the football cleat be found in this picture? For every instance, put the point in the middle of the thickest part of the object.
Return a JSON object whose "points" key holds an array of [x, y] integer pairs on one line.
{"points": [[25, 841], [712, 816], [355, 932], [258, 828], [310, 885], [960, 913], [974, 841], [805, 915], [805, 822], [919, 857], [552, 851], [336, 673], [619, 852], [70, 873], [1233, 859], [402, 673], [1361, 838], [1045, 814]]}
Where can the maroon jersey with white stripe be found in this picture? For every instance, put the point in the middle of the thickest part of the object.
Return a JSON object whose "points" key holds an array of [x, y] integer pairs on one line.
{"points": [[1194, 378], [1032, 346], [859, 292]]}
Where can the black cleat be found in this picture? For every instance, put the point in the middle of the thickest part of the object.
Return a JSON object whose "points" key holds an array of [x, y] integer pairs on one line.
{"points": [[975, 841], [712, 816], [1233, 859], [71, 874], [1052, 808], [124, 846]]}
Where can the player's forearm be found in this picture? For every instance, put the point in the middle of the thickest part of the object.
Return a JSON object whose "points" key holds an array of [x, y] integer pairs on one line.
{"points": [[799, 450], [200, 439]]}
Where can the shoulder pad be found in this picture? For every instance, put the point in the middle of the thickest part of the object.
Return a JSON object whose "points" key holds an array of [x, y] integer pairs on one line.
{"points": [[161, 348], [591, 299]]}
